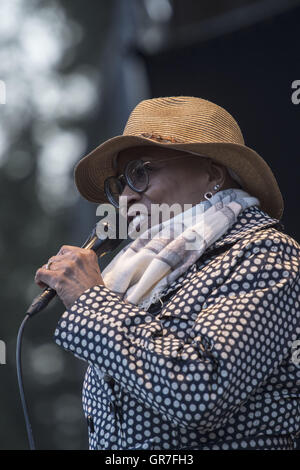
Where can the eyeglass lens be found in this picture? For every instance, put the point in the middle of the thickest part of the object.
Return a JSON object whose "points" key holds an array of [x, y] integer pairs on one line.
{"points": [[136, 177]]}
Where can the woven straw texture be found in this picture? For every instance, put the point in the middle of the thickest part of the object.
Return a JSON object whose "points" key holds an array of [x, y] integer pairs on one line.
{"points": [[188, 124]]}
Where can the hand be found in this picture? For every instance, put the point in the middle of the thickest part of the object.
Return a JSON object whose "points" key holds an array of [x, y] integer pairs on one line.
{"points": [[73, 270]]}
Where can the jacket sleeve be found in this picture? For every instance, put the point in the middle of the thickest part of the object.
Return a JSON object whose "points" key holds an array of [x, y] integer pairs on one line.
{"points": [[202, 357]]}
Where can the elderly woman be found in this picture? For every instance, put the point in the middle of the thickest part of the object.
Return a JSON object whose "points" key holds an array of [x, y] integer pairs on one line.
{"points": [[189, 331]]}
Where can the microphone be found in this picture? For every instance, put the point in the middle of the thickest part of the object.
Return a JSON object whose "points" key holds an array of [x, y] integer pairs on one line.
{"points": [[100, 246]]}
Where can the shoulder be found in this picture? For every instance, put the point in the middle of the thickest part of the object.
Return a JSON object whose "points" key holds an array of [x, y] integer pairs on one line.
{"points": [[267, 251], [256, 235], [255, 231], [273, 239], [255, 227]]}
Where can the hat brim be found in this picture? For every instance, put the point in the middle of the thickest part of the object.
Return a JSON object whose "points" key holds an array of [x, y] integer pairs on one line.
{"points": [[257, 177]]}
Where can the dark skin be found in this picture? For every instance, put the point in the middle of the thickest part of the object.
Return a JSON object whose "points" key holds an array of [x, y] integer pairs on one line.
{"points": [[182, 181]]}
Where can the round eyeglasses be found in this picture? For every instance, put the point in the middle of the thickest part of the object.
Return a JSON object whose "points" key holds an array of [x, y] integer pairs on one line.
{"points": [[135, 176]]}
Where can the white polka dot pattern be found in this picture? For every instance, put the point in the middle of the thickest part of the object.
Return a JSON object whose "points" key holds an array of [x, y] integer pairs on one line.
{"points": [[213, 369]]}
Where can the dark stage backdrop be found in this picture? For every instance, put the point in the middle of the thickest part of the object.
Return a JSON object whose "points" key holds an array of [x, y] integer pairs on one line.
{"points": [[249, 73]]}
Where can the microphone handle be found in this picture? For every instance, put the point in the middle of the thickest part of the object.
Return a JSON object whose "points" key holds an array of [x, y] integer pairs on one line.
{"points": [[92, 243], [41, 301]]}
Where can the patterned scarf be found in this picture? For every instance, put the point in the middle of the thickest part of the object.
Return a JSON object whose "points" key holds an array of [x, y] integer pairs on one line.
{"points": [[159, 255]]}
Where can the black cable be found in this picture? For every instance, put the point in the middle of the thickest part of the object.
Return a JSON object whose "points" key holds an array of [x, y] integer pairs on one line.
{"points": [[20, 382], [100, 246]]}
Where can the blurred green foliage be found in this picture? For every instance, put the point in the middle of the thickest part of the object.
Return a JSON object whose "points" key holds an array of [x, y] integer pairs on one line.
{"points": [[35, 222]]}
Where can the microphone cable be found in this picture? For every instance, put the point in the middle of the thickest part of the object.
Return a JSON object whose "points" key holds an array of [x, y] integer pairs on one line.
{"points": [[20, 383], [101, 247]]}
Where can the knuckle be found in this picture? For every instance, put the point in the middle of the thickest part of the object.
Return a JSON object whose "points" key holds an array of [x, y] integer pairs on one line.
{"points": [[58, 282], [65, 271], [69, 267], [63, 249], [38, 272]]}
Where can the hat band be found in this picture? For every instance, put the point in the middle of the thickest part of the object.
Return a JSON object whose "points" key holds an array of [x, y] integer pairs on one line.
{"points": [[173, 140], [159, 138]]}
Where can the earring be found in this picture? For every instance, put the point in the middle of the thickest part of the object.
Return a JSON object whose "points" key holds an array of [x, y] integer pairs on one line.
{"points": [[208, 195]]}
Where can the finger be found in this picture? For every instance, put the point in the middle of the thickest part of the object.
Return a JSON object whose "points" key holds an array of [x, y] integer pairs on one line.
{"points": [[41, 284], [57, 259], [46, 277], [79, 255], [74, 250], [67, 249]]}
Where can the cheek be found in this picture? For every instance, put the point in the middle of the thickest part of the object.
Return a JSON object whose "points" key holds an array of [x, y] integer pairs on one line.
{"points": [[164, 189]]}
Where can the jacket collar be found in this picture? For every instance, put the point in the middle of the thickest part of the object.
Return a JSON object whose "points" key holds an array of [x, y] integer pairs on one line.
{"points": [[249, 221]]}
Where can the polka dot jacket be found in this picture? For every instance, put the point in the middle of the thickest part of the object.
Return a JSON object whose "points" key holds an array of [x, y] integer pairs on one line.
{"points": [[214, 367]]}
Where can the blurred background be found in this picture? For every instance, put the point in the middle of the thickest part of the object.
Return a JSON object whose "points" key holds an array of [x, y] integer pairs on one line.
{"points": [[71, 72]]}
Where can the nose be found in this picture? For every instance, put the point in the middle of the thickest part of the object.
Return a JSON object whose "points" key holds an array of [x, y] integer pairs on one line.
{"points": [[127, 199], [131, 196]]}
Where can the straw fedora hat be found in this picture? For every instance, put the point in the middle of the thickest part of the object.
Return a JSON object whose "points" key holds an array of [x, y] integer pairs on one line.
{"points": [[188, 124]]}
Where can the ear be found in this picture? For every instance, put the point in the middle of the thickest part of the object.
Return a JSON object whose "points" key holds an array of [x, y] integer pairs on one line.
{"points": [[217, 173]]}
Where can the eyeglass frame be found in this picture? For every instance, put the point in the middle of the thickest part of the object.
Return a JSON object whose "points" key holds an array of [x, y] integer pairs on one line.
{"points": [[124, 177]]}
